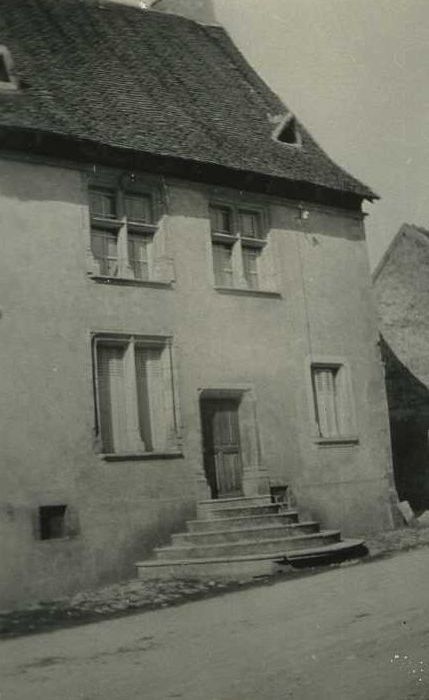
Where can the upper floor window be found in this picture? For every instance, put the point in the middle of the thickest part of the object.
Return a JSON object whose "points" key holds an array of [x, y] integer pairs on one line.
{"points": [[238, 240], [123, 227]]}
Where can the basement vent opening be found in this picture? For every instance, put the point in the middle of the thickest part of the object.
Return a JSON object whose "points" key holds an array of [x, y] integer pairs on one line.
{"points": [[8, 80], [4, 75], [288, 132], [52, 522]]}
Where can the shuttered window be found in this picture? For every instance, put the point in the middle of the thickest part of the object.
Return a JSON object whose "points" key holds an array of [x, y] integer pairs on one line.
{"points": [[331, 400], [135, 402]]}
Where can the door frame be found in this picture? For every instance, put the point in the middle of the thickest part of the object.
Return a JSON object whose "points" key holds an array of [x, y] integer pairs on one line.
{"points": [[255, 479]]}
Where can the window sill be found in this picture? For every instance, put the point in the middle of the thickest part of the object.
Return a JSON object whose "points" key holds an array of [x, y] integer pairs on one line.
{"points": [[142, 456], [156, 284], [238, 291], [337, 441]]}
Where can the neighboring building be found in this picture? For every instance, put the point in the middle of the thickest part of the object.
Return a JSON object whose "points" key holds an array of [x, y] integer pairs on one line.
{"points": [[184, 272], [401, 282]]}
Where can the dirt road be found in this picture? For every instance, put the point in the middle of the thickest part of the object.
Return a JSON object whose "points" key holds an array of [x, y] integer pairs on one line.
{"points": [[359, 632]]}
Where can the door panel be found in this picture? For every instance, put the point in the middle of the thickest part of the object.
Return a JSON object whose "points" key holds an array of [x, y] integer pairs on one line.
{"points": [[221, 445]]}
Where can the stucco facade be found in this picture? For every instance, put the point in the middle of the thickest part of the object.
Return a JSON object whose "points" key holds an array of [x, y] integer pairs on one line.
{"points": [[317, 307]]}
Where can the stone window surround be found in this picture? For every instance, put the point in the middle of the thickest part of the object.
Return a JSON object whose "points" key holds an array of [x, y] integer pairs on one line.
{"points": [[255, 476], [121, 182], [352, 437], [266, 263], [164, 342]]}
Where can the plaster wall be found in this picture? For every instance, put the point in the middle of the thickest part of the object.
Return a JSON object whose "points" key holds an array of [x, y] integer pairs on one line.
{"points": [[50, 307]]}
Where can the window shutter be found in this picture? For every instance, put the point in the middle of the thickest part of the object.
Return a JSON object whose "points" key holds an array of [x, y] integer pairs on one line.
{"points": [[250, 266], [325, 396], [222, 265], [138, 255], [104, 246], [111, 392], [142, 356]]}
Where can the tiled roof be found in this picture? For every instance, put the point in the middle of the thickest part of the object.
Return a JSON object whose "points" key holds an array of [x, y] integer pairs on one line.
{"points": [[150, 82]]}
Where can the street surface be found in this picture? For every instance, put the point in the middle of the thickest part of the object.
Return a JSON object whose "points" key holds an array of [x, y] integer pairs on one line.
{"points": [[360, 632]]}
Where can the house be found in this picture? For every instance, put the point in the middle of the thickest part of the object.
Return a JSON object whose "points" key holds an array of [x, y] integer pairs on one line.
{"points": [[402, 290], [186, 309]]}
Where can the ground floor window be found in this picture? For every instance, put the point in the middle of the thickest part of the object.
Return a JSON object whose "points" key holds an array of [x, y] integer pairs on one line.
{"points": [[331, 400], [134, 394]]}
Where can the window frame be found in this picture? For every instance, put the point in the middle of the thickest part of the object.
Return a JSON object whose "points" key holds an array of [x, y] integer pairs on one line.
{"points": [[172, 446], [125, 228], [238, 243], [347, 432]]}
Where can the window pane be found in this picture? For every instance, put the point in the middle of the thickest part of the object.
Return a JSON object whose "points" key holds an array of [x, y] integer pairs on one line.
{"points": [[102, 203], [143, 360], [250, 224], [326, 400], [138, 207], [221, 220], [138, 255], [222, 264], [250, 266], [104, 245], [111, 397]]}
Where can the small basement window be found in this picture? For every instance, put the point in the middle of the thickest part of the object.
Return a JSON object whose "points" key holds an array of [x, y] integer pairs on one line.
{"points": [[52, 522], [8, 79]]}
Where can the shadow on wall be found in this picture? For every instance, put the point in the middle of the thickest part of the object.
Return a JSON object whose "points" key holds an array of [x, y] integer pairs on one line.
{"points": [[408, 400]]}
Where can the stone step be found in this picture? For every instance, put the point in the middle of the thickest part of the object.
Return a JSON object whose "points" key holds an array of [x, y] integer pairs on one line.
{"points": [[245, 566], [317, 556], [243, 522], [214, 568], [236, 500], [251, 533], [244, 547], [238, 511]]}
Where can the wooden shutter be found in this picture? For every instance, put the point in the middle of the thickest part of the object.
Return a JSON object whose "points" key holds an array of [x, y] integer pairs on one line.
{"points": [[222, 264], [104, 246], [111, 397], [138, 255], [250, 266], [143, 357], [324, 380]]}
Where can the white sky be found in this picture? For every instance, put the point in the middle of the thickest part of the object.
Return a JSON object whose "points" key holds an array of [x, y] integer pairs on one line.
{"points": [[356, 72]]}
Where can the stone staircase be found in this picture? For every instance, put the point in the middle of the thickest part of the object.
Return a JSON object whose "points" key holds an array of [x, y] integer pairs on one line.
{"points": [[246, 536]]}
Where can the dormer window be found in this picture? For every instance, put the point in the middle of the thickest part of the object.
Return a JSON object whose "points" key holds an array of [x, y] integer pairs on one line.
{"points": [[287, 132], [8, 80]]}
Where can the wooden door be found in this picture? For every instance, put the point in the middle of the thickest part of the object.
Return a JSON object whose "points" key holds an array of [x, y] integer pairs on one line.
{"points": [[221, 445]]}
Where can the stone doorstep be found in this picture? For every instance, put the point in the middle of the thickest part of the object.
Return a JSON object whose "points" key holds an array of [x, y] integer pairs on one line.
{"points": [[250, 533], [233, 567], [214, 503], [243, 522], [245, 547], [242, 510]]}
